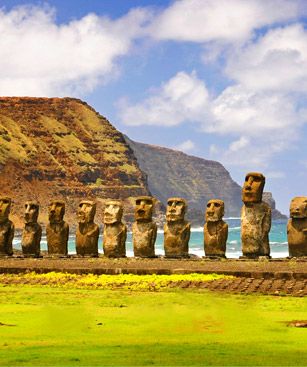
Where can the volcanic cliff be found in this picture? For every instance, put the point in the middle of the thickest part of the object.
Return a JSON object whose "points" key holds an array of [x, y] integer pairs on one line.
{"points": [[174, 173], [62, 148]]}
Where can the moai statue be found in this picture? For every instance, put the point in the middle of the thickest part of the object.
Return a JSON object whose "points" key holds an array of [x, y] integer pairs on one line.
{"points": [[255, 218], [114, 231], [176, 229], [215, 229], [6, 227], [32, 232], [144, 230], [57, 229], [87, 231], [297, 227]]}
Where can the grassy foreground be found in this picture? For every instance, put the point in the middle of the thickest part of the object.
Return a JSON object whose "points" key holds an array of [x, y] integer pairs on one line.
{"points": [[75, 326]]}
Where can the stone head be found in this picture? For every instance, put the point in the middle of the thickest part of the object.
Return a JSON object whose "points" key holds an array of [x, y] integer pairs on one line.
{"points": [[113, 212], [253, 188], [298, 207], [5, 207], [86, 212], [215, 210], [143, 208], [56, 211], [31, 212], [175, 210]]}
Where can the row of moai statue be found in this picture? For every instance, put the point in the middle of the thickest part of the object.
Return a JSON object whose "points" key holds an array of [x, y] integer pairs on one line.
{"points": [[255, 227]]}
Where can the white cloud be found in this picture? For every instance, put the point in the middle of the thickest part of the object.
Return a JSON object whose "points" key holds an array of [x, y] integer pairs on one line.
{"points": [[239, 144], [277, 61], [186, 146], [40, 58], [221, 20], [263, 124], [242, 111], [183, 98]]}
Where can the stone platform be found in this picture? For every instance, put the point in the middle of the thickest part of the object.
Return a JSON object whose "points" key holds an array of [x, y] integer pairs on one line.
{"points": [[283, 269]]}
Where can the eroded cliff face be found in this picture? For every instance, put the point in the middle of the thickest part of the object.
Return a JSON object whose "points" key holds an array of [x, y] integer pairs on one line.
{"points": [[62, 148], [173, 173]]}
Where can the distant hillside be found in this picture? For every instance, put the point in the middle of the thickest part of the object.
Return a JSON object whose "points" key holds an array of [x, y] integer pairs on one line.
{"points": [[173, 173], [62, 148]]}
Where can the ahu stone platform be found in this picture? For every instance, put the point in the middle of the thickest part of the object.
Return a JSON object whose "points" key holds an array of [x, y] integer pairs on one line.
{"points": [[283, 269]]}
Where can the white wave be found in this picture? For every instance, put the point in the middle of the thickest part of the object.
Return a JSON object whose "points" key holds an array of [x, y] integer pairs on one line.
{"points": [[197, 229], [234, 228], [230, 218], [234, 242], [279, 243]]}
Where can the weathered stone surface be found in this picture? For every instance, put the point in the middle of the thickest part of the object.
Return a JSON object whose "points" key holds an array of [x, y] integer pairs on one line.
{"points": [[57, 229], [297, 227], [255, 217], [114, 231], [6, 227], [215, 229], [87, 231], [32, 232], [176, 229], [144, 230]]}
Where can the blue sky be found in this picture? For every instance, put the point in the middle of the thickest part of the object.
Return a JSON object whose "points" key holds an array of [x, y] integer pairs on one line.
{"points": [[224, 80]]}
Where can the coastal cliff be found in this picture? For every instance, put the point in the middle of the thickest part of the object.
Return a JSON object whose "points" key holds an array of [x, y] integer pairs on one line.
{"points": [[62, 148], [174, 173]]}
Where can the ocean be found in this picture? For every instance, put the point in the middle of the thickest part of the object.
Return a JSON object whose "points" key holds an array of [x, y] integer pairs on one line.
{"points": [[278, 241]]}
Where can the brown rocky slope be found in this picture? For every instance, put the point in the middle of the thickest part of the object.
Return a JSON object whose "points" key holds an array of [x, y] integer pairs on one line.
{"points": [[62, 148]]}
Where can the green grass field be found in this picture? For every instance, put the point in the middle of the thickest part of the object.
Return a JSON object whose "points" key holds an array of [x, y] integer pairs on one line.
{"points": [[61, 326]]}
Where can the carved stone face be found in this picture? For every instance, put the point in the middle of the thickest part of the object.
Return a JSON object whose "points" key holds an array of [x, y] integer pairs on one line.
{"points": [[253, 188], [86, 212], [298, 207], [175, 210], [215, 210], [143, 208], [56, 211], [31, 212], [5, 207], [113, 212]]}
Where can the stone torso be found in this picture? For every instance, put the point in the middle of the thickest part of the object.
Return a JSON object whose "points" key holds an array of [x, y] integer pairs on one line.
{"points": [[144, 238], [31, 237], [297, 236], [114, 240], [215, 238], [176, 239], [57, 238], [87, 240], [255, 227], [6, 238]]}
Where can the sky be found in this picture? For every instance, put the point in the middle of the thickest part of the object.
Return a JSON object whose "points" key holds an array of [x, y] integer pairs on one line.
{"points": [[224, 80]]}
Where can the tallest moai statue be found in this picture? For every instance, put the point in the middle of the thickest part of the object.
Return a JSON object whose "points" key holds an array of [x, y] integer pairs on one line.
{"points": [[255, 217]]}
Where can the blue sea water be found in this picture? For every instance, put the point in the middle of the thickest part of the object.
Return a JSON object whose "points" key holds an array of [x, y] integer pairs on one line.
{"points": [[278, 241]]}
